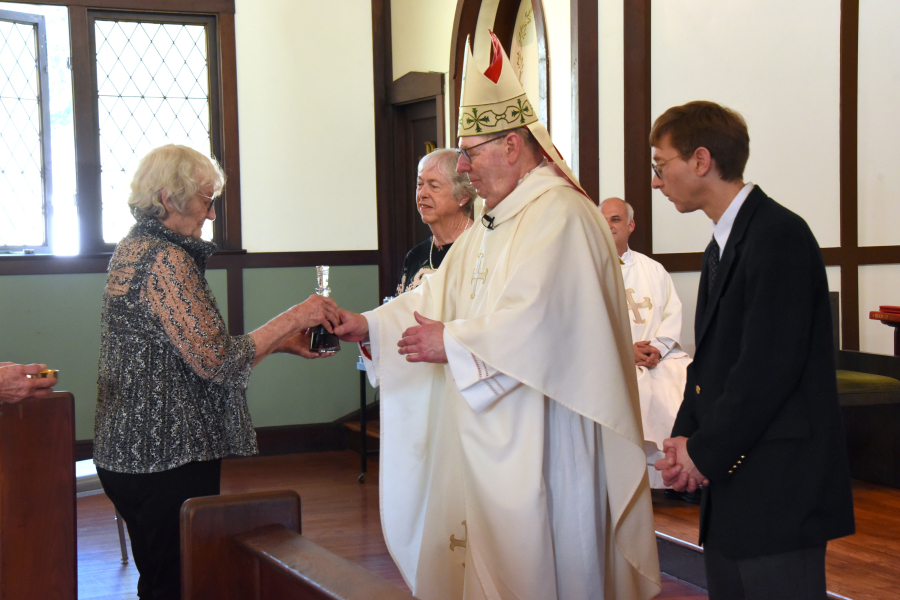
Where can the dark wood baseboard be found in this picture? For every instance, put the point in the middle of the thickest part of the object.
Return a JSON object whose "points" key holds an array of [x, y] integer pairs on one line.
{"points": [[274, 441], [294, 439], [84, 449]]}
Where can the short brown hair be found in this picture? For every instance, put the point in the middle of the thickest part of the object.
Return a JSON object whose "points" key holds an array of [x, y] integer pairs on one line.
{"points": [[720, 130]]}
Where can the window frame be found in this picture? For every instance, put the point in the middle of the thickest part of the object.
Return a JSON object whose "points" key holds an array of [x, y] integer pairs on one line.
{"points": [[40, 25], [91, 231], [227, 227]]}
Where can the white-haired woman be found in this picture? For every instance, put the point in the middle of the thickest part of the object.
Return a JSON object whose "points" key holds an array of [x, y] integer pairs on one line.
{"points": [[444, 199], [171, 389]]}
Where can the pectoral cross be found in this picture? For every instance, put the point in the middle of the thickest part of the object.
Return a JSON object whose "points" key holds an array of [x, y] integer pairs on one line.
{"points": [[478, 275], [455, 543], [635, 307]]}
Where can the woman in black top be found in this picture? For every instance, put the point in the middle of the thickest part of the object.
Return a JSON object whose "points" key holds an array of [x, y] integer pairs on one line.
{"points": [[444, 198]]}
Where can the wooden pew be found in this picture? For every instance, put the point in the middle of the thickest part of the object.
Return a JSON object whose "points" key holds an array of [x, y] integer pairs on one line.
{"points": [[37, 499], [248, 546]]}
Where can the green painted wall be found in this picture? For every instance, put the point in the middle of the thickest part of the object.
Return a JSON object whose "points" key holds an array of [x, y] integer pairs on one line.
{"points": [[55, 319]]}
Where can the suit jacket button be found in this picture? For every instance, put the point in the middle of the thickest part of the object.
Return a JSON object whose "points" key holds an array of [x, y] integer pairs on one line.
{"points": [[731, 471], [698, 389]]}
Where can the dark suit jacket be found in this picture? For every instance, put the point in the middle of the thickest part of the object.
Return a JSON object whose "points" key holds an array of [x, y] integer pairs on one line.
{"points": [[761, 406]]}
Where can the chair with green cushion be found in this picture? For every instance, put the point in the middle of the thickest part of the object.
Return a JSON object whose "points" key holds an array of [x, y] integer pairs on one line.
{"points": [[869, 392]]}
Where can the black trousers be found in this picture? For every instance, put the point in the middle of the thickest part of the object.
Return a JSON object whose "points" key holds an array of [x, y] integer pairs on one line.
{"points": [[150, 504], [797, 575]]}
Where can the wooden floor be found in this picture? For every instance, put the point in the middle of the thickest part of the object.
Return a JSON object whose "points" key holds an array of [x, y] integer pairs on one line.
{"points": [[337, 513], [864, 566]]}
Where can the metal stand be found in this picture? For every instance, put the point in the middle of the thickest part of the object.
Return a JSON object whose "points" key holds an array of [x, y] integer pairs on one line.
{"points": [[364, 435]]}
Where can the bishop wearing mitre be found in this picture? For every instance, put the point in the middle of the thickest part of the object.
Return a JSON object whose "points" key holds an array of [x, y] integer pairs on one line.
{"points": [[512, 462]]}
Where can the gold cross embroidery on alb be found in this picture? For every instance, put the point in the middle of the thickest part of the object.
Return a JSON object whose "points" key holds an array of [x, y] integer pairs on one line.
{"points": [[478, 275], [635, 307]]}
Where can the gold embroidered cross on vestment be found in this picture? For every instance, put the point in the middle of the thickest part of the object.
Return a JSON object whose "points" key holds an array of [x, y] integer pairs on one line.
{"points": [[478, 275], [455, 543], [635, 307]]}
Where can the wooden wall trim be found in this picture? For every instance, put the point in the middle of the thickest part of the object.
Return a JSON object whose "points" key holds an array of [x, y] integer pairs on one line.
{"points": [[235, 292], [268, 260], [169, 6], [87, 152], [67, 265], [848, 132], [637, 84], [586, 96], [505, 22], [464, 23], [540, 31], [228, 107], [415, 85], [383, 77]]}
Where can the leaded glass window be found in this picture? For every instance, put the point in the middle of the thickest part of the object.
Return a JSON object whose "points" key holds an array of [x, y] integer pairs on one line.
{"points": [[24, 132], [153, 88]]}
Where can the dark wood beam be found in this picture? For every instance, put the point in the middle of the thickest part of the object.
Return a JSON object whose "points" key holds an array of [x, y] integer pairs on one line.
{"points": [[383, 77], [585, 96], [464, 23], [849, 78], [505, 23], [228, 109], [540, 32], [169, 6], [638, 121]]}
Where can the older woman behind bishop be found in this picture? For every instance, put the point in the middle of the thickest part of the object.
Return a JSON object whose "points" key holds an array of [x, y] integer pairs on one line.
{"points": [[444, 198], [171, 399]]}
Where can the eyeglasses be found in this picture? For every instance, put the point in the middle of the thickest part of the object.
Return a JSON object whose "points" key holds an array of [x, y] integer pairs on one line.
{"points": [[658, 167], [212, 201], [460, 152]]}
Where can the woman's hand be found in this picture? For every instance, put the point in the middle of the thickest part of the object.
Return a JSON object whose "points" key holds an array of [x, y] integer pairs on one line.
{"points": [[299, 344], [316, 310]]}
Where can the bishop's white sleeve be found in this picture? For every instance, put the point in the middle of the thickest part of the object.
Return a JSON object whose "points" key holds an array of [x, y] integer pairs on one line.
{"points": [[480, 384], [369, 351]]}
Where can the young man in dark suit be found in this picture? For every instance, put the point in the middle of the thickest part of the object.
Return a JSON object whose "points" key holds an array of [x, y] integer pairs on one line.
{"points": [[760, 426]]}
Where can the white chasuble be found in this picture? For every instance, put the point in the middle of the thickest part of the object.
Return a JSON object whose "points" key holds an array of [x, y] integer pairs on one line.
{"points": [[654, 311], [537, 487]]}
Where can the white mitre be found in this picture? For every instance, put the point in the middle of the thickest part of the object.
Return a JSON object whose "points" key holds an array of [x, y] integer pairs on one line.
{"points": [[495, 101]]}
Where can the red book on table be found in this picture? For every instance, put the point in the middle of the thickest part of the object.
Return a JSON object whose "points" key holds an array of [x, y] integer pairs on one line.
{"points": [[884, 316]]}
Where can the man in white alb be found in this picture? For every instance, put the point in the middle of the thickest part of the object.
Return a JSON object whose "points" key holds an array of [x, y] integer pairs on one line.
{"points": [[654, 312], [512, 462]]}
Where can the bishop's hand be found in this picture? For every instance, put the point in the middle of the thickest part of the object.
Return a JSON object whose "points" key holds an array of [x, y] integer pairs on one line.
{"points": [[424, 342], [353, 328]]}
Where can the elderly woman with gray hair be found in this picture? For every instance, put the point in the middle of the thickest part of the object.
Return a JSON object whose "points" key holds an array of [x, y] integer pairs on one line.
{"points": [[171, 390], [444, 199]]}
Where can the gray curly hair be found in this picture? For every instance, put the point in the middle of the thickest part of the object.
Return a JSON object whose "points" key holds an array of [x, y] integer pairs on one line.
{"points": [[179, 170], [445, 159]]}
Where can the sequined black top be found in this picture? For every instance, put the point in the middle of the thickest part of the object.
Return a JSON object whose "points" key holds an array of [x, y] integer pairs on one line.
{"points": [[423, 259], [172, 381]]}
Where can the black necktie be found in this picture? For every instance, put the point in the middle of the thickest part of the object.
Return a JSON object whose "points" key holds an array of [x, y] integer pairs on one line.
{"points": [[712, 263]]}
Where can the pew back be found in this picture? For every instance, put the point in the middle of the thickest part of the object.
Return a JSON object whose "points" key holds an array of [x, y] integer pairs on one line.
{"points": [[248, 546]]}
